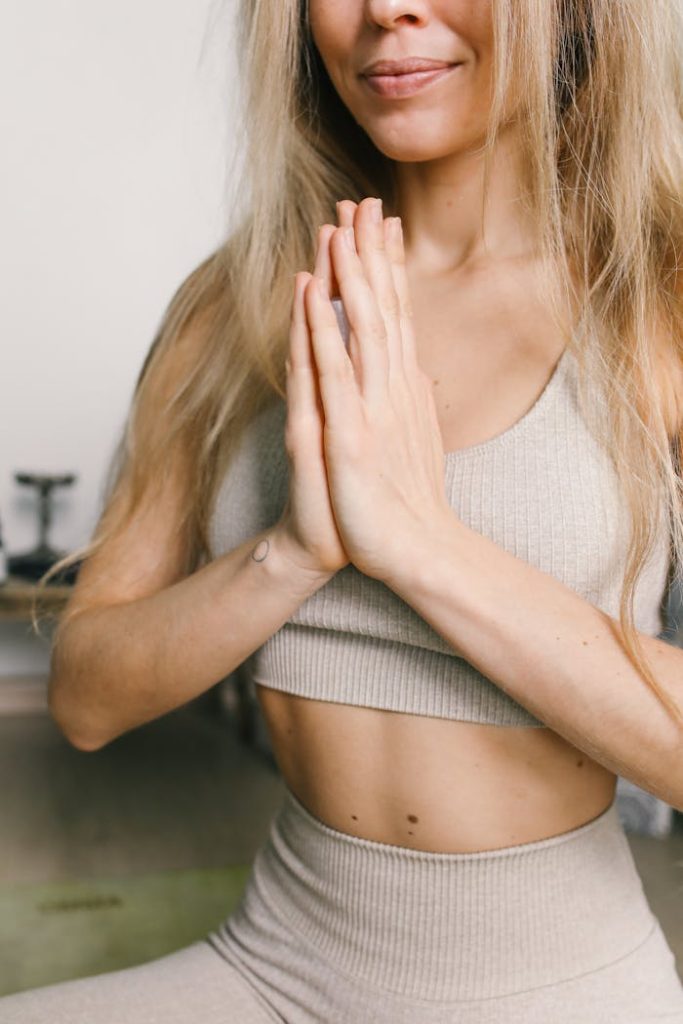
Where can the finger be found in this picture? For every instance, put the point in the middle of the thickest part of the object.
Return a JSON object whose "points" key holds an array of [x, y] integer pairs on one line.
{"points": [[346, 209], [370, 241], [323, 261], [335, 371], [303, 397], [363, 314], [395, 250], [298, 326]]}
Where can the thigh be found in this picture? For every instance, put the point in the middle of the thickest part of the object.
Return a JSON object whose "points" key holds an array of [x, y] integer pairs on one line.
{"points": [[642, 987], [193, 985]]}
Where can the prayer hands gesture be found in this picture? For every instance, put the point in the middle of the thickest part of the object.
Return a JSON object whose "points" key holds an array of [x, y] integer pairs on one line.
{"points": [[362, 434]]}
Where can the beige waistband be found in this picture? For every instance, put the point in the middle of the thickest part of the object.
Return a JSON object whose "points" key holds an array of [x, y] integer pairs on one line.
{"points": [[449, 926]]}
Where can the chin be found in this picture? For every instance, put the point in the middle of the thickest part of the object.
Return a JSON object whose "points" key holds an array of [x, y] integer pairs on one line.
{"points": [[404, 147], [417, 136]]}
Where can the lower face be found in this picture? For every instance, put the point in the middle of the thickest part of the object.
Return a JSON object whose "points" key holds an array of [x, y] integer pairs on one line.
{"points": [[412, 117]]}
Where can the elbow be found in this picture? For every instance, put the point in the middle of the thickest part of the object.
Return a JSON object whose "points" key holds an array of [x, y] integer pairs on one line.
{"points": [[81, 742], [82, 724], [77, 736], [71, 723]]}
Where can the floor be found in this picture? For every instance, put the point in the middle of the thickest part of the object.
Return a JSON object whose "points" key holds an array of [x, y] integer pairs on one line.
{"points": [[180, 793]]}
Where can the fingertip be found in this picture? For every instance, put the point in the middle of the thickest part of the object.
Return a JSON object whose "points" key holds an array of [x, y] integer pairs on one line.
{"points": [[325, 231], [346, 209], [303, 279]]}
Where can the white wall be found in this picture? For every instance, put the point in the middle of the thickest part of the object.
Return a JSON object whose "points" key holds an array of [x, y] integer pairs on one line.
{"points": [[116, 126]]}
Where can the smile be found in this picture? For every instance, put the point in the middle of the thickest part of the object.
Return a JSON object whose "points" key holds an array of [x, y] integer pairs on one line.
{"points": [[408, 84]]}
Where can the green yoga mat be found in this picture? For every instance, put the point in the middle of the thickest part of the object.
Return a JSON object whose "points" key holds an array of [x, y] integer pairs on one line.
{"points": [[72, 929]]}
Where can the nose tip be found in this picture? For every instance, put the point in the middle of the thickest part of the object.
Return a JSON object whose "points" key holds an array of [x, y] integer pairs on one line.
{"points": [[390, 13]]}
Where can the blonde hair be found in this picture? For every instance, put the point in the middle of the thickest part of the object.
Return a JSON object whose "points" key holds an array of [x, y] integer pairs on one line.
{"points": [[601, 116]]}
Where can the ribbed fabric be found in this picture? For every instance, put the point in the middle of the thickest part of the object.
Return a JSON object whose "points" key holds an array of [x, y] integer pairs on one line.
{"points": [[334, 929], [192, 985], [328, 920], [543, 490]]}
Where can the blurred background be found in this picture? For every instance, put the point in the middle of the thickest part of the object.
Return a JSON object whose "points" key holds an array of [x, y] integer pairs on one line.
{"points": [[120, 150]]}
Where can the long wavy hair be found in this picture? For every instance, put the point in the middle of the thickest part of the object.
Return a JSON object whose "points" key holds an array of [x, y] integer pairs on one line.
{"points": [[601, 116]]}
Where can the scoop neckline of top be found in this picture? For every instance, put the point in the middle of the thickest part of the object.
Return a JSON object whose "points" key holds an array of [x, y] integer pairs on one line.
{"points": [[532, 412]]}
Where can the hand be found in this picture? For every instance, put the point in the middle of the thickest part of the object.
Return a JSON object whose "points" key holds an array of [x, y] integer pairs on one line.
{"points": [[382, 441], [307, 525]]}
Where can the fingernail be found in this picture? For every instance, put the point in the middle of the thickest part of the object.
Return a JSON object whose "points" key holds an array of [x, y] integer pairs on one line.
{"points": [[349, 239], [398, 229], [376, 210]]}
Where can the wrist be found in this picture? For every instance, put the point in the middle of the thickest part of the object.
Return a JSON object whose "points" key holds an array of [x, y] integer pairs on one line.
{"points": [[425, 554], [291, 563]]}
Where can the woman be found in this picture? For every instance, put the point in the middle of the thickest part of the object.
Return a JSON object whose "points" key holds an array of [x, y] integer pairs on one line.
{"points": [[442, 553]]}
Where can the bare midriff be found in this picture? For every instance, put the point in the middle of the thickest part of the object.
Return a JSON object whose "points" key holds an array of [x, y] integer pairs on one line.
{"points": [[431, 783]]}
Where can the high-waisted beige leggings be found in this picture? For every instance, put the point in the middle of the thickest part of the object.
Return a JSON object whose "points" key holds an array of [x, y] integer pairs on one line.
{"points": [[333, 928]]}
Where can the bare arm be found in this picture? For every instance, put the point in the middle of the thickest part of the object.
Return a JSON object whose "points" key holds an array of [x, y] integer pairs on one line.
{"points": [[119, 665], [140, 636], [552, 651]]}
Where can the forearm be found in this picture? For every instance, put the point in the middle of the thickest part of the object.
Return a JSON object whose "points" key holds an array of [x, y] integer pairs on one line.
{"points": [[119, 666], [552, 651]]}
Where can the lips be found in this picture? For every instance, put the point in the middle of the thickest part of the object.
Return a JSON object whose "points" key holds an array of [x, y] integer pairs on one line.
{"points": [[400, 85], [405, 66]]}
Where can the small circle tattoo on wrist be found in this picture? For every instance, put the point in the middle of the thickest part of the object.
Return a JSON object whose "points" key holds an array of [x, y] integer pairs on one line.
{"points": [[261, 550]]}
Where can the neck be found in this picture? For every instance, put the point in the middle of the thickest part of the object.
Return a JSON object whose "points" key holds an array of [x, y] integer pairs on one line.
{"points": [[440, 203]]}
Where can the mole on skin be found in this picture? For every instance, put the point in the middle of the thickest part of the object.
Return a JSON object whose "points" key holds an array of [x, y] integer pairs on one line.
{"points": [[412, 817], [579, 764]]}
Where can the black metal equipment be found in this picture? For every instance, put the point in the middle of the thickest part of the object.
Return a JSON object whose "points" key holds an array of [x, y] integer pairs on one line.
{"points": [[33, 564]]}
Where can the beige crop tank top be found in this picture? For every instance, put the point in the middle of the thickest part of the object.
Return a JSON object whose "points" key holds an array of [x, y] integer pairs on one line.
{"points": [[543, 489]]}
